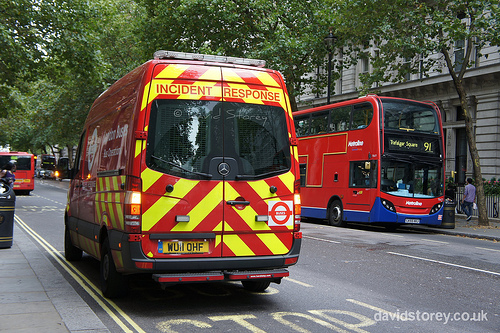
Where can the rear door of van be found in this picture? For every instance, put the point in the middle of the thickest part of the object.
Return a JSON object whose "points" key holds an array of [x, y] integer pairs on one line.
{"points": [[258, 192], [217, 172]]}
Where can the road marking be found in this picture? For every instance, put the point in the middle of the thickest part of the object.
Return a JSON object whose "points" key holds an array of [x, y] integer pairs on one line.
{"points": [[86, 284], [322, 240], [434, 241], [445, 263], [326, 318], [485, 248], [240, 320], [299, 282], [391, 235], [371, 307]]}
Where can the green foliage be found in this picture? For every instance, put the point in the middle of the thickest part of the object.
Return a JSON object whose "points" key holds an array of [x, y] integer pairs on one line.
{"points": [[450, 183], [413, 36], [69, 53], [491, 187], [288, 34], [58, 56]]}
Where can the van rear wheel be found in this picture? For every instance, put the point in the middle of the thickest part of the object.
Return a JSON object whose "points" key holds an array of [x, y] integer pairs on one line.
{"points": [[256, 286], [336, 214], [113, 284]]}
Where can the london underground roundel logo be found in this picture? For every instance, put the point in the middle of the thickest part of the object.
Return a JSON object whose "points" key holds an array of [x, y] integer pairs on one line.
{"points": [[280, 213]]}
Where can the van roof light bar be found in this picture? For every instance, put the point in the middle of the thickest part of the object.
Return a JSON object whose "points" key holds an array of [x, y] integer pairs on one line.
{"points": [[207, 57]]}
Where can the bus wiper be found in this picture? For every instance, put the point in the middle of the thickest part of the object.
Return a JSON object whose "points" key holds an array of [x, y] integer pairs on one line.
{"points": [[205, 175], [412, 159], [270, 173], [407, 159]]}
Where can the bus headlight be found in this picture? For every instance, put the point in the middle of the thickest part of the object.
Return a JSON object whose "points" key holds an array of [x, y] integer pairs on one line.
{"points": [[436, 208], [388, 205]]}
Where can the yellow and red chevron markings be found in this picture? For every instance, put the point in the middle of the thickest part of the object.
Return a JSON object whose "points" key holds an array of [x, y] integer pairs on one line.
{"points": [[204, 203], [237, 231]]}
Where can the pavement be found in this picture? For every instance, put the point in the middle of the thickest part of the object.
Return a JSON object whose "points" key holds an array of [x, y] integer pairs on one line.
{"points": [[35, 295], [464, 228]]}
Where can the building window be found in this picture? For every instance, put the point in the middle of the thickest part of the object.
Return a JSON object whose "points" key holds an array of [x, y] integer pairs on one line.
{"points": [[421, 68], [459, 55], [365, 65], [461, 155], [477, 56], [460, 113], [341, 73], [407, 67]]}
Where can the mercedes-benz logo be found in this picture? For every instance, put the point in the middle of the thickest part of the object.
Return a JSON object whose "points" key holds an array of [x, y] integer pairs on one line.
{"points": [[223, 169]]}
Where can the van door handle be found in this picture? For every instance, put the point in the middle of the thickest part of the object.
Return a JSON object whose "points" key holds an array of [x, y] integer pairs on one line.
{"points": [[237, 202]]}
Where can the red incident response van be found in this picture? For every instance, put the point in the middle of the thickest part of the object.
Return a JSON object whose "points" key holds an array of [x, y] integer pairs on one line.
{"points": [[187, 169]]}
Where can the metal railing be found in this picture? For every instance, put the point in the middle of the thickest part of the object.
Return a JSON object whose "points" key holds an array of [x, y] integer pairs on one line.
{"points": [[492, 203]]}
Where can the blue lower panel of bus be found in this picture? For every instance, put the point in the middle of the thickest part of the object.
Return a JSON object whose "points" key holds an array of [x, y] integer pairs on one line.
{"points": [[317, 213], [378, 214]]}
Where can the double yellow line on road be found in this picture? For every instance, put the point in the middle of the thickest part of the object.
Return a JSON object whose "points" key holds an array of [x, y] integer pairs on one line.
{"points": [[93, 291]]}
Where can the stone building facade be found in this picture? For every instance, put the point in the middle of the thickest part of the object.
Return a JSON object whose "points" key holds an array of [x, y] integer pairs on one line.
{"points": [[483, 90]]}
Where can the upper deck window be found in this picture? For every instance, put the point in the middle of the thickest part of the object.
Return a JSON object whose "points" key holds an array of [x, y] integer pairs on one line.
{"points": [[337, 119], [409, 116]]}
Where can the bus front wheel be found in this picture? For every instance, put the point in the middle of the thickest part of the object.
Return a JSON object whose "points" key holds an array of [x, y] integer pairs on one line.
{"points": [[335, 216]]}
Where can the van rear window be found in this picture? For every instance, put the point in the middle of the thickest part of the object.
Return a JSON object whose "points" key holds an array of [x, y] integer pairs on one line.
{"points": [[186, 137]]}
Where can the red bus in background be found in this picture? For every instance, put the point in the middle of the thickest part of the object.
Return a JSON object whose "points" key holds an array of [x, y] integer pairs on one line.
{"points": [[373, 159], [25, 173]]}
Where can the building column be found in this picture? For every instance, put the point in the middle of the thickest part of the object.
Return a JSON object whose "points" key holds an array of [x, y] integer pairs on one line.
{"points": [[488, 133], [448, 113]]}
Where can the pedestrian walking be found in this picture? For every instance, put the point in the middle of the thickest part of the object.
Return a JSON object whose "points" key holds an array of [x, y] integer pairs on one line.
{"points": [[7, 173], [469, 198]]}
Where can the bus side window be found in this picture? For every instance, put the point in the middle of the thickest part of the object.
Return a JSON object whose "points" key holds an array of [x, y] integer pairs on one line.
{"points": [[363, 174], [362, 115], [340, 119], [303, 173], [302, 125], [319, 123]]}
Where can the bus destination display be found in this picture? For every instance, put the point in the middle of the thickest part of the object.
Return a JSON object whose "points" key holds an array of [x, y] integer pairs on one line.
{"points": [[413, 144]]}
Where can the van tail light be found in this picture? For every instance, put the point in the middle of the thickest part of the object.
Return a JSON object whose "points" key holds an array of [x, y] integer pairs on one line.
{"points": [[133, 205], [296, 205]]}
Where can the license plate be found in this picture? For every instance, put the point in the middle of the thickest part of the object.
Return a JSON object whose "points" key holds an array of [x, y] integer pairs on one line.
{"points": [[414, 221], [183, 247]]}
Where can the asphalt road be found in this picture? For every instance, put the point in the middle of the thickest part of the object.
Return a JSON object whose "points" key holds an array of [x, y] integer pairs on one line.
{"points": [[358, 279]]}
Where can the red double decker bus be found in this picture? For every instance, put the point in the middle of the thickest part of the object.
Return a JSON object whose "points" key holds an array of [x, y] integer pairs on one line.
{"points": [[372, 160], [25, 172]]}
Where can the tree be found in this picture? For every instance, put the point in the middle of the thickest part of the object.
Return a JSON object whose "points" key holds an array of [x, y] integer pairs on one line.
{"points": [[60, 56], [20, 35], [415, 36], [288, 34]]}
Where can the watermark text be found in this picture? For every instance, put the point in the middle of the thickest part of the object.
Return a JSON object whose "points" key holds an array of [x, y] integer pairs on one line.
{"points": [[444, 317]]}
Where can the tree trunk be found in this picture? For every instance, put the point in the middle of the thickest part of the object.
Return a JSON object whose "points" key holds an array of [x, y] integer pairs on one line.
{"points": [[70, 154], [291, 95], [469, 130]]}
